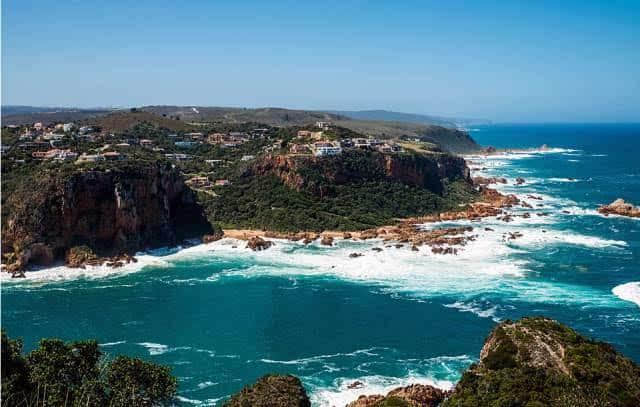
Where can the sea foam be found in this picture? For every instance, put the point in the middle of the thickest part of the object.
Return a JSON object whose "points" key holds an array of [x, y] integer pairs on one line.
{"points": [[628, 292]]}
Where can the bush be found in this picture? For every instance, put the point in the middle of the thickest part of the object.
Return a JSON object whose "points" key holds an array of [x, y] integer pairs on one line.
{"points": [[59, 373]]}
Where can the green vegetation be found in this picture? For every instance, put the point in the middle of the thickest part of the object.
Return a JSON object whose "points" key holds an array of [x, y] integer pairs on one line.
{"points": [[265, 202], [77, 374], [540, 362], [270, 391]]}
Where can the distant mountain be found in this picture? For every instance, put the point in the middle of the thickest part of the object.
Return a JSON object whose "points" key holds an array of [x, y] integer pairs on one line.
{"points": [[387, 115], [18, 115]]}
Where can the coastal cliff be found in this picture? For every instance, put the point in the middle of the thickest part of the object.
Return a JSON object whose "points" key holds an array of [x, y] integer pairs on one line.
{"points": [[355, 190], [318, 174], [110, 211], [530, 362]]}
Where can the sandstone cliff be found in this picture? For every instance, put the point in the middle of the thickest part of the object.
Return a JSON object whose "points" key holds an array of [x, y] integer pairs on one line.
{"points": [[111, 211], [318, 174]]}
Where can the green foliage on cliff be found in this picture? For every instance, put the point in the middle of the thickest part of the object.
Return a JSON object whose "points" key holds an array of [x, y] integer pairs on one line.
{"points": [[540, 362], [75, 374], [265, 202]]}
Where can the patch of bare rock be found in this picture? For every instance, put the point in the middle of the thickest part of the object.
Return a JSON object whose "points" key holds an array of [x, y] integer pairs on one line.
{"points": [[620, 207]]}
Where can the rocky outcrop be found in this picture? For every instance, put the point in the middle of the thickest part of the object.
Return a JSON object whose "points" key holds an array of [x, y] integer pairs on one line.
{"points": [[112, 211], [538, 361], [620, 207], [272, 391], [490, 180], [415, 395], [256, 243], [319, 175]]}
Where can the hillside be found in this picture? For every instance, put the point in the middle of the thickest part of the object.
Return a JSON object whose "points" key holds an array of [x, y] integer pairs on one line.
{"points": [[21, 115], [447, 138], [354, 191]]}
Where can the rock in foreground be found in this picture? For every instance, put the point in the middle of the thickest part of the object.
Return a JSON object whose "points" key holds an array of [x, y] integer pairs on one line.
{"points": [[540, 362], [620, 207], [415, 395], [272, 391]]}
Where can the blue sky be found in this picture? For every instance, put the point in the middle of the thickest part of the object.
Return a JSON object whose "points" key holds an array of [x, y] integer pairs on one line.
{"points": [[502, 60]]}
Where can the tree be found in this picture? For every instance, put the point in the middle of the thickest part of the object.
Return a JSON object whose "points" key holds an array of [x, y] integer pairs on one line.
{"points": [[15, 375], [134, 382], [75, 374]]}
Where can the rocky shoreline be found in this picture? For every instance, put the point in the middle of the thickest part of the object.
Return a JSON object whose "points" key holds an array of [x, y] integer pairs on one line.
{"points": [[406, 232]]}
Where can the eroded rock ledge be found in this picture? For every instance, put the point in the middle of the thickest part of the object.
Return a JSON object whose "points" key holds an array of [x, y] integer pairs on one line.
{"points": [[620, 207]]}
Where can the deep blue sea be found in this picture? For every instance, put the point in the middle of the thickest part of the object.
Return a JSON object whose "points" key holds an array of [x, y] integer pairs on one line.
{"points": [[222, 316]]}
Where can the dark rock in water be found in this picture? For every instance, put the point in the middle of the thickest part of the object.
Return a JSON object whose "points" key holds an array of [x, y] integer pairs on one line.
{"points": [[354, 255], [488, 229], [212, 238], [620, 207], [399, 246], [256, 243], [356, 385], [377, 249], [327, 241], [520, 181], [414, 248], [272, 391]]}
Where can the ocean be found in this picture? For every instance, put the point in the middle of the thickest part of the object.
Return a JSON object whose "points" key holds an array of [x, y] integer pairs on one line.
{"points": [[222, 316]]}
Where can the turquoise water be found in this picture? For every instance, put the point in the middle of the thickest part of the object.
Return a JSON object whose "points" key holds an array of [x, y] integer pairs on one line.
{"points": [[223, 316]]}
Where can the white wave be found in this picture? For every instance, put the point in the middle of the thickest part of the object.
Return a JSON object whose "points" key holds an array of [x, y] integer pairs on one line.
{"points": [[574, 161], [204, 403], [64, 273], [154, 348], [206, 384], [322, 358], [113, 343], [628, 292], [339, 393], [599, 155], [538, 238], [475, 308], [563, 180]]}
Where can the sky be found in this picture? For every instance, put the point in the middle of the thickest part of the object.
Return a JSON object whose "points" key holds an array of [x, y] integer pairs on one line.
{"points": [[509, 61]]}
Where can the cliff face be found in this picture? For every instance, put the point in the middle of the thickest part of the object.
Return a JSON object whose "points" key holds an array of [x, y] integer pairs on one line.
{"points": [[111, 211], [316, 175]]}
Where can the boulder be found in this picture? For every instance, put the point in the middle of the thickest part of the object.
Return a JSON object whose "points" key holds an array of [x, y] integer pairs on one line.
{"points": [[256, 243], [620, 207], [272, 391], [327, 241], [415, 395]]}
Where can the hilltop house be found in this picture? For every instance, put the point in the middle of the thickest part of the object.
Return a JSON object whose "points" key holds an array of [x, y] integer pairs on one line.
{"points": [[299, 149], [324, 148]]}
